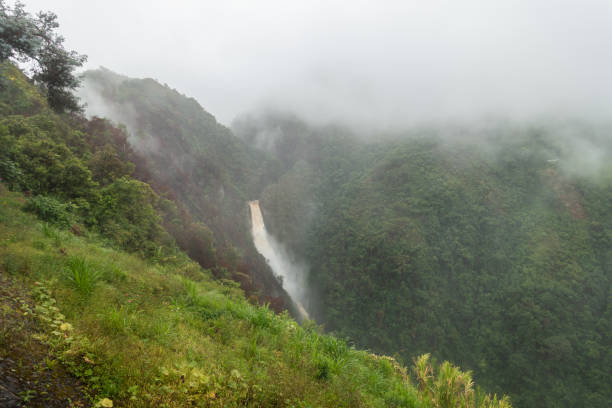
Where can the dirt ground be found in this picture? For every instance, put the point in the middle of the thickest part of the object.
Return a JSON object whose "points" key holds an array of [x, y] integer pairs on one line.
{"points": [[30, 375]]}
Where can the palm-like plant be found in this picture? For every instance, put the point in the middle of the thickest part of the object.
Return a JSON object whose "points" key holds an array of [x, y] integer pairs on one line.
{"points": [[451, 388]]}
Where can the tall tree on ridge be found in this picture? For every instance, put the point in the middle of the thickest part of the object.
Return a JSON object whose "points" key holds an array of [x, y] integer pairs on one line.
{"points": [[32, 40]]}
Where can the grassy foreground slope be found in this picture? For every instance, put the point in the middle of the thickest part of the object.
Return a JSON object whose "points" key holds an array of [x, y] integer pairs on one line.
{"points": [[144, 334]]}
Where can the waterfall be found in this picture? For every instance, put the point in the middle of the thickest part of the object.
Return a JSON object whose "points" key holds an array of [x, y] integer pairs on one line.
{"points": [[291, 274]]}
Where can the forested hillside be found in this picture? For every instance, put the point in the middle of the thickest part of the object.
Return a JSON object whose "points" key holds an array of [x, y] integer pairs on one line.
{"points": [[129, 277], [197, 162], [489, 245], [139, 201], [415, 243], [100, 307]]}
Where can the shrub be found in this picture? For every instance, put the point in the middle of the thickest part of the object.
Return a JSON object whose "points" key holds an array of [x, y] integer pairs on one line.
{"points": [[51, 210], [113, 273], [50, 232], [11, 174], [450, 387]]}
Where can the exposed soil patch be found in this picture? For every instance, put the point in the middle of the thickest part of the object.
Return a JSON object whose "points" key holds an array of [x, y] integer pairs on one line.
{"points": [[30, 375]]}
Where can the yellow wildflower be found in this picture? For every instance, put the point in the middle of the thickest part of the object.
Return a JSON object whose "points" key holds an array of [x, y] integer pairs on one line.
{"points": [[105, 402], [65, 327]]}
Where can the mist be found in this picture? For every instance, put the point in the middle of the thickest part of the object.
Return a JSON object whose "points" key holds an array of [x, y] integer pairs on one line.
{"points": [[366, 65], [90, 94]]}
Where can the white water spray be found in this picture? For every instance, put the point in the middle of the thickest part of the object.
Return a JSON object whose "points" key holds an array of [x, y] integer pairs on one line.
{"points": [[292, 274]]}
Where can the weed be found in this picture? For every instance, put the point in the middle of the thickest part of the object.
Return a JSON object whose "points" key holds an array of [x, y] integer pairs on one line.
{"points": [[114, 274], [261, 317], [114, 321], [14, 263], [323, 370], [10, 264], [50, 363], [27, 395], [39, 245], [81, 275], [49, 231], [450, 387], [334, 347], [156, 328], [46, 229]]}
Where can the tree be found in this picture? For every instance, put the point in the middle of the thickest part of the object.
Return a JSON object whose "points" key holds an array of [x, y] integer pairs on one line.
{"points": [[106, 166], [32, 39]]}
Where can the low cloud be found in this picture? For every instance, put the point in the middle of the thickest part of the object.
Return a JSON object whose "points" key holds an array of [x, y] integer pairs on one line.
{"points": [[369, 65]]}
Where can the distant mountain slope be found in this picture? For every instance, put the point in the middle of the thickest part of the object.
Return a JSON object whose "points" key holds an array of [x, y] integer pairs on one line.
{"points": [[186, 146], [191, 157], [491, 246]]}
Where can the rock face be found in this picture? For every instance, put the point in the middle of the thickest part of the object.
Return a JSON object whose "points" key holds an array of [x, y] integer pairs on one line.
{"points": [[30, 375]]}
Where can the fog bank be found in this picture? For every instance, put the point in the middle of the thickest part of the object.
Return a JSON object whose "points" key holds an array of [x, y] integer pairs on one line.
{"points": [[382, 65]]}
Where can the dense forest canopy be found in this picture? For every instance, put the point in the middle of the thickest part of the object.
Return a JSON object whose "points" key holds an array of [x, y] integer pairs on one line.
{"points": [[488, 244], [484, 243]]}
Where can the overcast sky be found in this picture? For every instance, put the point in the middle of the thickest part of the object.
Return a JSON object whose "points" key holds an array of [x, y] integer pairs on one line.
{"points": [[372, 62]]}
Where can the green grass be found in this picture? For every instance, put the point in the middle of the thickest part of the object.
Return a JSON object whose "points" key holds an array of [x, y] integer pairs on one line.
{"points": [[51, 232], [81, 275], [148, 335]]}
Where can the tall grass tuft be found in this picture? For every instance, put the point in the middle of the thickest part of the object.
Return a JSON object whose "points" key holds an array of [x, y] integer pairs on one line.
{"points": [[451, 387], [81, 275], [49, 231], [114, 321]]}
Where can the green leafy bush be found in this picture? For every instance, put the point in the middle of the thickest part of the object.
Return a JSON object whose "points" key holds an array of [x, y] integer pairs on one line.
{"points": [[11, 173], [51, 210], [128, 216]]}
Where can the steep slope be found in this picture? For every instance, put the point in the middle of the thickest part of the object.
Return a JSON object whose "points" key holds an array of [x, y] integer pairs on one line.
{"points": [[490, 247], [196, 161], [188, 150], [144, 334], [107, 311]]}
